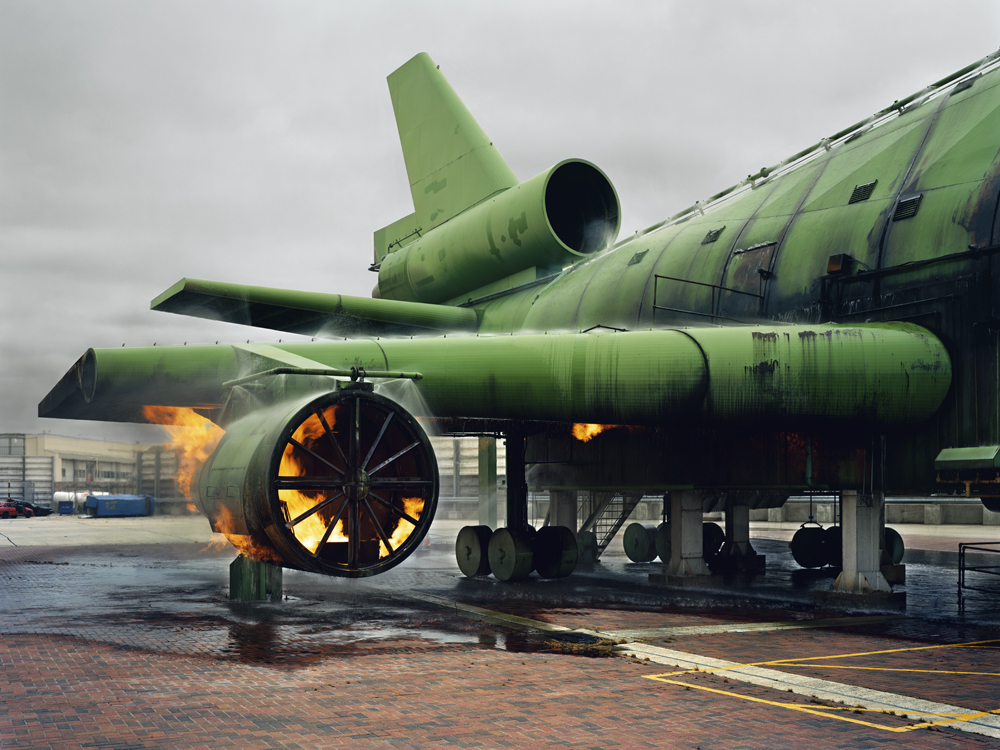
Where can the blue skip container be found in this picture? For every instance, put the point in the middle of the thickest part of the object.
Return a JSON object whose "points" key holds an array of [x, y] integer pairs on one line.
{"points": [[109, 506]]}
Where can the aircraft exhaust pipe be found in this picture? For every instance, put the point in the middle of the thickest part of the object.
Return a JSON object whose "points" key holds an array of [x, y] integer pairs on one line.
{"points": [[564, 214]]}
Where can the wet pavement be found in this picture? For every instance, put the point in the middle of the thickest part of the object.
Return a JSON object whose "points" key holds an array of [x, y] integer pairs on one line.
{"points": [[117, 633]]}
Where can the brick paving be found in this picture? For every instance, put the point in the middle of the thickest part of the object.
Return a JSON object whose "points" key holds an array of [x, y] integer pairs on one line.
{"points": [[64, 692], [126, 647]]}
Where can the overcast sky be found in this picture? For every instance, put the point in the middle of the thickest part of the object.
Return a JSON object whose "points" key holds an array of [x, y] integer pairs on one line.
{"points": [[254, 142]]}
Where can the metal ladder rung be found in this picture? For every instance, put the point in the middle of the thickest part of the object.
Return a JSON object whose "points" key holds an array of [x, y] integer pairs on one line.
{"points": [[609, 516]]}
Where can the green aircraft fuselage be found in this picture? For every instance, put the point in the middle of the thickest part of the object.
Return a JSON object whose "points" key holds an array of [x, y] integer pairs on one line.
{"points": [[827, 323]]}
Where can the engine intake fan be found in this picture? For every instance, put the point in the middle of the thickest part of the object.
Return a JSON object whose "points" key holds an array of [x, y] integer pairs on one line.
{"points": [[344, 484]]}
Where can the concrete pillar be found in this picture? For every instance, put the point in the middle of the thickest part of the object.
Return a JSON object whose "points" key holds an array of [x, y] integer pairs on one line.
{"points": [[861, 572], [456, 467], [737, 554], [562, 509], [738, 530], [686, 553], [488, 482]]}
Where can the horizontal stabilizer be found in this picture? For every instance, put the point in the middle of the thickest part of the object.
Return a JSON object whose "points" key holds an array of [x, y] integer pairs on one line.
{"points": [[310, 313]]}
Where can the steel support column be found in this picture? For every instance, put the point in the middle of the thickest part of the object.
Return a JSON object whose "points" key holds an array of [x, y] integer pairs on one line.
{"points": [[517, 487], [138, 473], [156, 474]]}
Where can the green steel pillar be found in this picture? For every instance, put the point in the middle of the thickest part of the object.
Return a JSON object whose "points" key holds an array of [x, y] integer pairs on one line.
{"points": [[488, 482], [253, 581]]}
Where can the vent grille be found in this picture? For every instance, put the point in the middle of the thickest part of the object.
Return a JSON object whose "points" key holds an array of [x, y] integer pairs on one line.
{"points": [[863, 192], [963, 86], [712, 236], [907, 208], [637, 258]]}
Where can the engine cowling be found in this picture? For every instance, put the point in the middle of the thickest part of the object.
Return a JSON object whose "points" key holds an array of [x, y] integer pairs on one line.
{"points": [[344, 484], [557, 217]]}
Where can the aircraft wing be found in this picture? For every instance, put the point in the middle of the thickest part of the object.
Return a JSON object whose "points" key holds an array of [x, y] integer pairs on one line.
{"points": [[884, 377], [310, 313]]}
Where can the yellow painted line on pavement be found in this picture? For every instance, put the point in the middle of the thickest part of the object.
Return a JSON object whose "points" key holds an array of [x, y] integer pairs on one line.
{"points": [[957, 719], [826, 710], [943, 718], [892, 669], [786, 662]]}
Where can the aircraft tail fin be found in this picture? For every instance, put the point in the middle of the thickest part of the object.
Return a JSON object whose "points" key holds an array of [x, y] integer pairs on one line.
{"points": [[451, 163]]}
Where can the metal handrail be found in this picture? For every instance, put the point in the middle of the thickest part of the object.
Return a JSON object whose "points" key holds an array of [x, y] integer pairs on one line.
{"points": [[714, 288], [963, 567]]}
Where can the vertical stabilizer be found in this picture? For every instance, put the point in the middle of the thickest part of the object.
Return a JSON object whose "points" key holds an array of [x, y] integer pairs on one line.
{"points": [[450, 162]]}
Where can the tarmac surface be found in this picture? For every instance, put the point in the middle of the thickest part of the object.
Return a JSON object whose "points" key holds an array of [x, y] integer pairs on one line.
{"points": [[118, 634]]}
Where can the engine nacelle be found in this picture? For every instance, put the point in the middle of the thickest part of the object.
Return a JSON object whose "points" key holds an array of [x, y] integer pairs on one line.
{"points": [[555, 218], [344, 484]]}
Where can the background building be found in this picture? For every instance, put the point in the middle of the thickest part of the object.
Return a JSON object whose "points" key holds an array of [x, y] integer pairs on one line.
{"points": [[33, 467]]}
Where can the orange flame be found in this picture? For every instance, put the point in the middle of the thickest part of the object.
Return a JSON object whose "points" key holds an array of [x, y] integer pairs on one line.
{"points": [[217, 542], [413, 506], [586, 432], [310, 531], [193, 438], [246, 545]]}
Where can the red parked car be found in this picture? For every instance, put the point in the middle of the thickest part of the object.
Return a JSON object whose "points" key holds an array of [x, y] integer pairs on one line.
{"points": [[13, 510]]}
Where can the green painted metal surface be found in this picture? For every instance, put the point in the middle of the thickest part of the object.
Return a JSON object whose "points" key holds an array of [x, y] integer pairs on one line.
{"points": [[880, 377], [240, 489], [945, 149], [451, 163], [978, 457], [253, 581], [555, 218], [732, 319], [310, 313]]}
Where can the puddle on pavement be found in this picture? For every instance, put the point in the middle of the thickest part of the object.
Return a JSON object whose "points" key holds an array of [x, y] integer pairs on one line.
{"points": [[172, 601]]}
